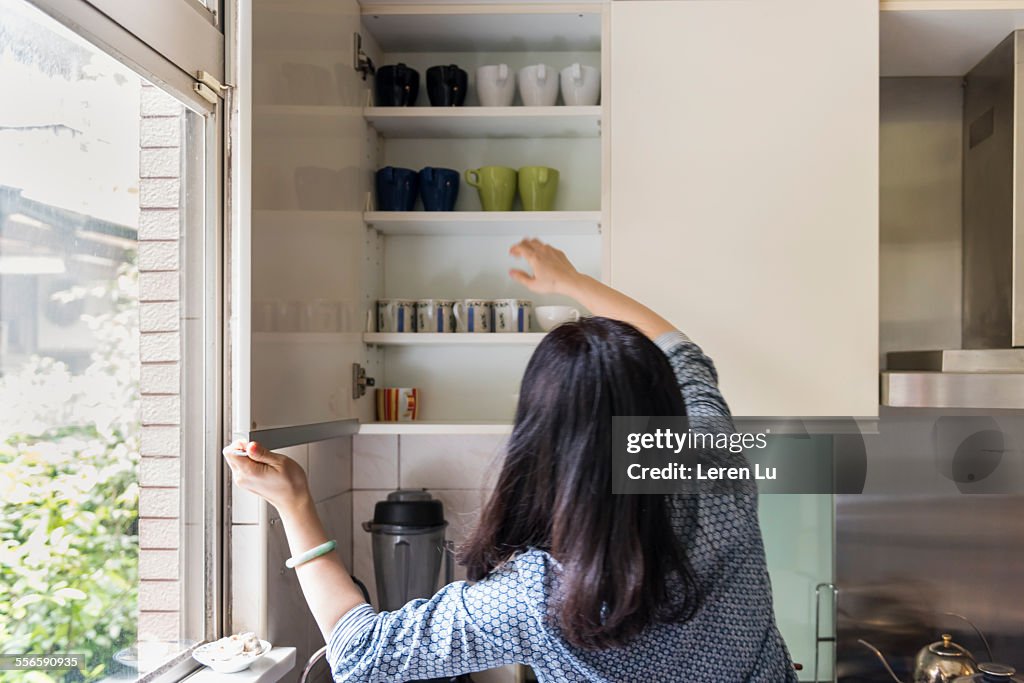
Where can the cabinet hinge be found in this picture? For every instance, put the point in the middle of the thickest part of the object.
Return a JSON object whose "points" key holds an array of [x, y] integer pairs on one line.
{"points": [[208, 87], [360, 381]]}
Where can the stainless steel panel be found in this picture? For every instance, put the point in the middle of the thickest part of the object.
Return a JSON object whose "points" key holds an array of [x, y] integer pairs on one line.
{"points": [[958, 360], [903, 560], [988, 196], [953, 390]]}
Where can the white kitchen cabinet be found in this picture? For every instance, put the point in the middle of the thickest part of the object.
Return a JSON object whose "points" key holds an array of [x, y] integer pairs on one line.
{"points": [[310, 237], [744, 185]]}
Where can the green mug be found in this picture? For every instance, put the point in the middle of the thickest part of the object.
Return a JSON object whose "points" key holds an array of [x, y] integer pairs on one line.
{"points": [[537, 187], [496, 186]]}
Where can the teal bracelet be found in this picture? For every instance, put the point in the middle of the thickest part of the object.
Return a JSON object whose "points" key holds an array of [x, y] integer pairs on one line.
{"points": [[312, 554]]}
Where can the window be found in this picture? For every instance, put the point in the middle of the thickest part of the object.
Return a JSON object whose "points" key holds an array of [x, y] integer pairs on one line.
{"points": [[109, 358]]}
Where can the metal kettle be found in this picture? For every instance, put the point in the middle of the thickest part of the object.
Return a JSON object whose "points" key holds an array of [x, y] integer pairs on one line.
{"points": [[940, 662]]}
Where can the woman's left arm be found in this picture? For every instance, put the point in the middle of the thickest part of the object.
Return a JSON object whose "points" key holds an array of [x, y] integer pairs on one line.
{"points": [[326, 584]]}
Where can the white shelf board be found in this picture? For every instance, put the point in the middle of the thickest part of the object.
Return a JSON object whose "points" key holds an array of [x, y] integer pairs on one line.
{"points": [[940, 37], [420, 427], [435, 28], [518, 223], [453, 339], [485, 122]]}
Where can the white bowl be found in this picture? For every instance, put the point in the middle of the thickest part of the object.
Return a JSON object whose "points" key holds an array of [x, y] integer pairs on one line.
{"points": [[550, 317], [228, 666]]}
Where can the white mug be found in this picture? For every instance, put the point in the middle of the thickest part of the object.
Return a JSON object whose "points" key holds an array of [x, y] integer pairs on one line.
{"points": [[550, 317], [435, 315], [495, 85], [512, 315], [396, 315], [538, 85], [473, 315], [581, 85]]}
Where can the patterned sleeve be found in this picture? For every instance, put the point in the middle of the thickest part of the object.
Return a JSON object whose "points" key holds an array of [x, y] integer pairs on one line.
{"points": [[463, 628], [706, 409]]}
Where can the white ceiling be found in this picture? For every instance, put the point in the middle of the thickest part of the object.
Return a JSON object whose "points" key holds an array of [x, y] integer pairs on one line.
{"points": [[923, 39]]}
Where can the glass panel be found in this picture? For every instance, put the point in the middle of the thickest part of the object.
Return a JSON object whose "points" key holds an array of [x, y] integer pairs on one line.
{"points": [[94, 163]]}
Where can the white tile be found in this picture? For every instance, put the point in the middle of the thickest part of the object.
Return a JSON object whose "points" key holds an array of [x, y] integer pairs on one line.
{"points": [[362, 552], [330, 467], [160, 378], [159, 502], [159, 471], [452, 462], [245, 506], [161, 410], [159, 626], [299, 454], [374, 461], [336, 514], [288, 616], [163, 534], [163, 441], [159, 224], [247, 598], [159, 316], [158, 564], [160, 596], [505, 674]]}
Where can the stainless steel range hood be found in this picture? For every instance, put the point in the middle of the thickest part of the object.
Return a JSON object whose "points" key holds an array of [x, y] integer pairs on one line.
{"points": [[989, 371]]}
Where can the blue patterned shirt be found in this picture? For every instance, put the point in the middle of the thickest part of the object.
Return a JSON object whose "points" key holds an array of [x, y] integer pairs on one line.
{"points": [[502, 619]]}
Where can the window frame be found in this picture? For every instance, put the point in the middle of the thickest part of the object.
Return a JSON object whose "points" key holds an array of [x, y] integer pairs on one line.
{"points": [[168, 44]]}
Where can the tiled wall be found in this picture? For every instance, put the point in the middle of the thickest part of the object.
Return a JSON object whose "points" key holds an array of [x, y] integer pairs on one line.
{"points": [[160, 354], [460, 470], [347, 476], [266, 597]]}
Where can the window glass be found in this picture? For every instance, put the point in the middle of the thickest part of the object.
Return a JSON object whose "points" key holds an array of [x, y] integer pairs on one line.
{"points": [[94, 162]]}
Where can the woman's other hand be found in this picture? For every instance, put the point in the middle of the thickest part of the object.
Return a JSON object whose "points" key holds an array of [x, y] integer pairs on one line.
{"points": [[552, 271], [274, 477]]}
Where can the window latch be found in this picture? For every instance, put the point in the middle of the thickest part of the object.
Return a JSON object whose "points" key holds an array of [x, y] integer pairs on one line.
{"points": [[208, 87]]}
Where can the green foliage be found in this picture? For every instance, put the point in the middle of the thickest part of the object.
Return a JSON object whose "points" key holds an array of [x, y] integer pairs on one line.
{"points": [[69, 457]]}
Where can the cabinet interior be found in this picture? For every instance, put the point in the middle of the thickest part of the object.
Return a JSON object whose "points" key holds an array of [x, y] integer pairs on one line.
{"points": [[311, 109]]}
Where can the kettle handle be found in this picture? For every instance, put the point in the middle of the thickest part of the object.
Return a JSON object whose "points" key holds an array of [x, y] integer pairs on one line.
{"points": [[881, 658], [977, 630]]}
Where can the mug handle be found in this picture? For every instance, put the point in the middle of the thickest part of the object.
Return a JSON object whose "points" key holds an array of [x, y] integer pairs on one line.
{"points": [[577, 72], [502, 73], [470, 175], [574, 315], [459, 322], [542, 73]]}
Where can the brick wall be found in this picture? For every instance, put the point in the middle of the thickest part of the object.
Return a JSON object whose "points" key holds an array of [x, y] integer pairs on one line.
{"points": [[160, 352]]}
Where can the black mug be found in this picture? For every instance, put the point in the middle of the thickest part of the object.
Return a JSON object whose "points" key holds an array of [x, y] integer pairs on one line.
{"points": [[397, 189], [446, 86], [439, 188], [397, 85]]}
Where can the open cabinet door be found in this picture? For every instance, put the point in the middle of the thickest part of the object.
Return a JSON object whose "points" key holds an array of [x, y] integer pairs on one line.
{"points": [[299, 260]]}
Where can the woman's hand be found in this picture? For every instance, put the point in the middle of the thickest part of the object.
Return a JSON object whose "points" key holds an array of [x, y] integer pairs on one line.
{"points": [[274, 477], [554, 274], [552, 271]]}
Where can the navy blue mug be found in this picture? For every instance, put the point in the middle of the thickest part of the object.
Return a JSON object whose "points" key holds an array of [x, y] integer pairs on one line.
{"points": [[396, 189], [439, 188]]}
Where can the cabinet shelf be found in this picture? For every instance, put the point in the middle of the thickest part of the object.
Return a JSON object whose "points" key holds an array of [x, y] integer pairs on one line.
{"points": [[453, 339], [518, 223], [421, 427], [485, 122]]}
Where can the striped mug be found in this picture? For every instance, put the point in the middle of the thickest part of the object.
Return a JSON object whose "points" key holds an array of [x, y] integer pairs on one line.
{"points": [[397, 404]]}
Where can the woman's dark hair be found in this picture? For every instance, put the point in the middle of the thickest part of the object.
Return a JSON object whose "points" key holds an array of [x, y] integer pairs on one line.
{"points": [[622, 566]]}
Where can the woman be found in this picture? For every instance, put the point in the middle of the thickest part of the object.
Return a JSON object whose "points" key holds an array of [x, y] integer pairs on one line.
{"points": [[578, 583]]}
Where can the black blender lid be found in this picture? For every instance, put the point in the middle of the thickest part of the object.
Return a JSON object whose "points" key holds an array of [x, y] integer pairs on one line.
{"points": [[408, 507]]}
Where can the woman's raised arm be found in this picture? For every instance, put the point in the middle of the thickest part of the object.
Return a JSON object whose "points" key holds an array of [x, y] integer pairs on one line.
{"points": [[553, 273]]}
